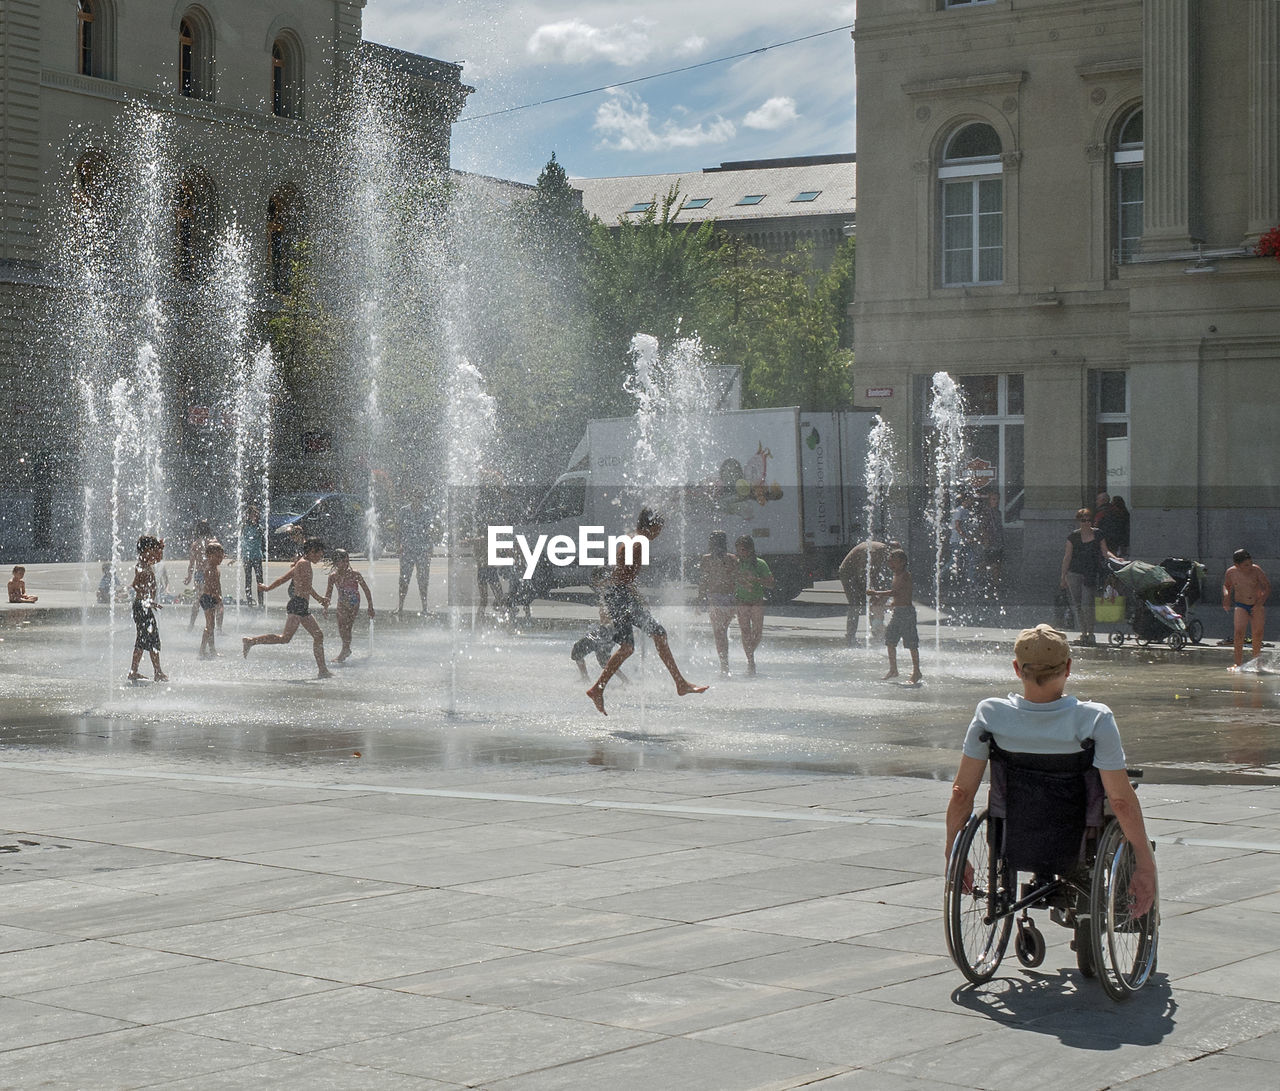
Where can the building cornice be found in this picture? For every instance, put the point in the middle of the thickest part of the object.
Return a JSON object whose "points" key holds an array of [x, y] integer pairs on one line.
{"points": [[196, 109], [1129, 67], [983, 83]]}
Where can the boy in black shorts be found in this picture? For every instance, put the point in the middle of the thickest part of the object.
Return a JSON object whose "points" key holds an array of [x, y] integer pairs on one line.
{"points": [[902, 626], [298, 611], [210, 594], [150, 552], [628, 611]]}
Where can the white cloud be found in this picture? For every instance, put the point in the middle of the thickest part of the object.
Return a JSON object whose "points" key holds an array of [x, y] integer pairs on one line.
{"points": [[624, 123], [691, 46], [576, 42], [773, 114]]}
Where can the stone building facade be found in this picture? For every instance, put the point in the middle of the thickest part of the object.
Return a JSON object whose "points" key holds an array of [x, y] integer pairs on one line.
{"points": [[1060, 204], [250, 83]]}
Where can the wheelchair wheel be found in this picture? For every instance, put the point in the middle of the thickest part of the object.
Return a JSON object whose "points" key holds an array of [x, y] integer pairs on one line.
{"points": [[1124, 947], [975, 942], [1195, 630], [1083, 945], [1177, 641], [1028, 945], [1116, 637]]}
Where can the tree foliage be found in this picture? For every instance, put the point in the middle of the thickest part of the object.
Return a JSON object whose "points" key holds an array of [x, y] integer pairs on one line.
{"points": [[545, 303]]}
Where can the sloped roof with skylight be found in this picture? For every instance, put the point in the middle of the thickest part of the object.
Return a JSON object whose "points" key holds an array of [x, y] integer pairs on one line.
{"points": [[791, 188]]}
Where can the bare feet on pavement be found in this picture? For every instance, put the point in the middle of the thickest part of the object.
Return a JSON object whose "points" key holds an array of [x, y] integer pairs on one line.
{"points": [[683, 689], [597, 698]]}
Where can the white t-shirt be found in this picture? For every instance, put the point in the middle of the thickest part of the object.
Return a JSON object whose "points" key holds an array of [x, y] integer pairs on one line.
{"points": [[1054, 727]]}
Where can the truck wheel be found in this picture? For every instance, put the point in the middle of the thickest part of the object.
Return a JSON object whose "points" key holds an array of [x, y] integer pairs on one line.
{"points": [[785, 588]]}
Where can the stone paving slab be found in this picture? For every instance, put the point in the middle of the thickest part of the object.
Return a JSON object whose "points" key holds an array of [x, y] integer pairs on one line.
{"points": [[627, 930]]}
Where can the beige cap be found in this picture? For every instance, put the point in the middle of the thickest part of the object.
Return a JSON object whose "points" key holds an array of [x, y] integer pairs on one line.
{"points": [[1042, 648]]}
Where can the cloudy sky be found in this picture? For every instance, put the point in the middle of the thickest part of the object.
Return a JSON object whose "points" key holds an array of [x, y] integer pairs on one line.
{"points": [[793, 100]]}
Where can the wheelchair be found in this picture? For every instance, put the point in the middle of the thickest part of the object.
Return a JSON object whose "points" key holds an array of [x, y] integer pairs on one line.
{"points": [[1046, 817]]}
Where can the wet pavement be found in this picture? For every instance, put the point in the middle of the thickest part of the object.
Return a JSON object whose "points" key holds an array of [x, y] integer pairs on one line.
{"points": [[442, 868]]}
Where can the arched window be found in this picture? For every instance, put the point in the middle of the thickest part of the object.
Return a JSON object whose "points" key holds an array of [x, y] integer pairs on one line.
{"points": [[195, 55], [195, 208], [286, 77], [94, 38], [1127, 160], [284, 231], [972, 206]]}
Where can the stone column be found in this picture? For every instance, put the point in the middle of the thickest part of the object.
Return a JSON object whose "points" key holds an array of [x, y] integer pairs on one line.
{"points": [[1168, 98], [1264, 119]]}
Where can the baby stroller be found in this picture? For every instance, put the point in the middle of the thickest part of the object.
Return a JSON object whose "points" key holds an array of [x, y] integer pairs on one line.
{"points": [[1159, 598]]}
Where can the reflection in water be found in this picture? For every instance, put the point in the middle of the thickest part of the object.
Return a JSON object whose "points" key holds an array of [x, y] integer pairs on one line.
{"points": [[820, 709]]}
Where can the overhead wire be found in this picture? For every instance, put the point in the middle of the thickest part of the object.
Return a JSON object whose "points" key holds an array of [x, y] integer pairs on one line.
{"points": [[655, 75]]}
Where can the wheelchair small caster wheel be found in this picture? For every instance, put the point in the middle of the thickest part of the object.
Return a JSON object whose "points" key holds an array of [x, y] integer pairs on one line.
{"points": [[1029, 944], [1116, 637], [1177, 641]]}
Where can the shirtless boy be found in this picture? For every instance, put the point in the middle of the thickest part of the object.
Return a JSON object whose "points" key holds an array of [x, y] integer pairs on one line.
{"points": [[150, 553], [628, 610], [210, 586], [298, 612], [902, 626], [716, 586], [1245, 589], [18, 586]]}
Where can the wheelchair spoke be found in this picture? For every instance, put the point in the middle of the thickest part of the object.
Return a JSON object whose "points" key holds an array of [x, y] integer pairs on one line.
{"points": [[976, 932], [1124, 946]]}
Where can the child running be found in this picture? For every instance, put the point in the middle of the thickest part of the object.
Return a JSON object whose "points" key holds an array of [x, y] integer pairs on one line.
{"points": [[716, 586], [18, 586], [210, 594], [597, 639], [1245, 590], [349, 583], [628, 610], [150, 553], [902, 626], [300, 578], [752, 579], [200, 540]]}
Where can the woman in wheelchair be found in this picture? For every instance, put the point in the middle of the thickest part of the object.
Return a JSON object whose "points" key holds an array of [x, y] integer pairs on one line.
{"points": [[1053, 758]]}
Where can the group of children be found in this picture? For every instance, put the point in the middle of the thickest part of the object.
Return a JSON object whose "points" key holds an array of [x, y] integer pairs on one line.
{"points": [[730, 585], [204, 570]]}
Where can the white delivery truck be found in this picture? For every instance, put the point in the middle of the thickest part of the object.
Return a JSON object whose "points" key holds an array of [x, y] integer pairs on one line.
{"points": [[792, 480]]}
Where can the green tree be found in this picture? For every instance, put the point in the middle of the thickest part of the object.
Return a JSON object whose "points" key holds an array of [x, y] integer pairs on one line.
{"points": [[651, 275]]}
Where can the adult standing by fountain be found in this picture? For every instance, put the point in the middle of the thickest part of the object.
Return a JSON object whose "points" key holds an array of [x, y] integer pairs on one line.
{"points": [[1082, 566], [853, 578], [417, 530], [628, 610], [990, 542], [253, 551]]}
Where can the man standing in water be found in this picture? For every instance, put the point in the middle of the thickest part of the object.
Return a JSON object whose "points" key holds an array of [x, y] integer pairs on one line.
{"points": [[301, 588], [1245, 590], [628, 610]]}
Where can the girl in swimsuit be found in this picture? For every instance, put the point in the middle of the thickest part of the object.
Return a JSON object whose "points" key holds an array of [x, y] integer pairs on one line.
{"points": [[348, 583]]}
